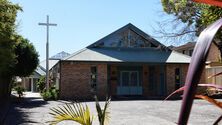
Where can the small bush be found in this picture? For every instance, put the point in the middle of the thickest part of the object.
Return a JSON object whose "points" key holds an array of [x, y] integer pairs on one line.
{"points": [[20, 90], [41, 84], [51, 94]]}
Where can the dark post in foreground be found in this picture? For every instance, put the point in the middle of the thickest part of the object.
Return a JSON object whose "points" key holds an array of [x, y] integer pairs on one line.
{"points": [[195, 69]]}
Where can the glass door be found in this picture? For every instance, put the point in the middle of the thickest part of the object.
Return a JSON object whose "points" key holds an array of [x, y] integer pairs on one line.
{"points": [[129, 83]]}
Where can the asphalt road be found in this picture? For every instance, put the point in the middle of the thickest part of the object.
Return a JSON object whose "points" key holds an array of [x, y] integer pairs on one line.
{"points": [[35, 111]]}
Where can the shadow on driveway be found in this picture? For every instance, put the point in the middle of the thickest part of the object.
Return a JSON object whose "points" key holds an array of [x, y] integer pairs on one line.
{"points": [[19, 112]]}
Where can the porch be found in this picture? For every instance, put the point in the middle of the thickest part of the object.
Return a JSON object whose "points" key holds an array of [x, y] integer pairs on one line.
{"points": [[144, 80]]}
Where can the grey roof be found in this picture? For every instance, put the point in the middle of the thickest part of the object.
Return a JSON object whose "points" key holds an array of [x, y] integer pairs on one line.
{"points": [[146, 55], [185, 46], [153, 54], [54, 60], [40, 70], [60, 55], [52, 63]]}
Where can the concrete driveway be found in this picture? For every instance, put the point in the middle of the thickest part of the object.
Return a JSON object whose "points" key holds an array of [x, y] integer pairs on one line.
{"points": [[33, 110]]}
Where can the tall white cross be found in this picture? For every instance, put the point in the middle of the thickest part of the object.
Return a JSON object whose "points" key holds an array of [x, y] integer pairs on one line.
{"points": [[47, 24]]}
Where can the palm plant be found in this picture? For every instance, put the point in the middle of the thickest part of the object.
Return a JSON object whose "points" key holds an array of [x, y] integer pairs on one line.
{"points": [[74, 111], [103, 114], [80, 113]]}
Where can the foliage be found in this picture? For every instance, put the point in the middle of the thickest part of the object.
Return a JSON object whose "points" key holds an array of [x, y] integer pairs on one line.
{"points": [[80, 114], [51, 94], [195, 16], [18, 56], [103, 114], [26, 57], [41, 84], [20, 90], [8, 12], [75, 112]]}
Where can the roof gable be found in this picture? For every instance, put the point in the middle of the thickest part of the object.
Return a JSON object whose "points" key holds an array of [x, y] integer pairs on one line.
{"points": [[54, 60], [60, 55], [128, 44], [128, 36]]}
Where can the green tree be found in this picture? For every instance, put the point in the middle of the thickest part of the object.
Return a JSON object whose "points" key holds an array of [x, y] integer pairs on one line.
{"points": [[195, 17], [17, 56], [26, 57], [8, 12]]}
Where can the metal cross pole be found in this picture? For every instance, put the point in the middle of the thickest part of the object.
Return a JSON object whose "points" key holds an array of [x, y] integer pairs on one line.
{"points": [[47, 24]]}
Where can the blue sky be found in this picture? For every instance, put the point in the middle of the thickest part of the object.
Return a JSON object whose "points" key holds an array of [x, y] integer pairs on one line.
{"points": [[82, 22]]}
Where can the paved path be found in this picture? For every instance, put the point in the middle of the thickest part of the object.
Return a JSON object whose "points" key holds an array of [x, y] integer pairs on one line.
{"points": [[35, 111]]}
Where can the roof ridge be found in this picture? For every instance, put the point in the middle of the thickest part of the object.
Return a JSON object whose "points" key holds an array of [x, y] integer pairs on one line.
{"points": [[75, 53], [128, 48]]}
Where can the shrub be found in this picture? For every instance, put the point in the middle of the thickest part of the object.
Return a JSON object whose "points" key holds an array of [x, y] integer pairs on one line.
{"points": [[20, 90], [41, 84], [51, 94]]}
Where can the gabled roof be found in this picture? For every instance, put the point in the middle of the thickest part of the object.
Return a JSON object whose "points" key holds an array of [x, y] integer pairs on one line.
{"points": [[40, 70], [158, 53], [54, 60], [135, 30], [185, 46], [144, 55], [60, 55]]}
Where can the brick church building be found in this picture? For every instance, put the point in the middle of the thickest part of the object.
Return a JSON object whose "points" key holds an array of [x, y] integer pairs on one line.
{"points": [[127, 62]]}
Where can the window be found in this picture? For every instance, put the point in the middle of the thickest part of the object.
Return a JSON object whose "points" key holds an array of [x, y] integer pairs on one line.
{"points": [[129, 78], [183, 51], [134, 78], [177, 78], [93, 78], [190, 52], [125, 78]]}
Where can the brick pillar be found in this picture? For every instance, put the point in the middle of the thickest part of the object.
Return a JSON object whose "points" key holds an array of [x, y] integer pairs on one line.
{"points": [[113, 79], [145, 81], [102, 81]]}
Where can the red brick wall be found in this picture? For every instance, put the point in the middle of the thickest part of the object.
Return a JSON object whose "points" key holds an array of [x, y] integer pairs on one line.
{"points": [[26, 83], [214, 53], [75, 80], [170, 76], [102, 81], [145, 83], [113, 80]]}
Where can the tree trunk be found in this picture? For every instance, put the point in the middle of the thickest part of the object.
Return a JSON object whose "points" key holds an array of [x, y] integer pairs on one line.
{"points": [[5, 92], [5, 88]]}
